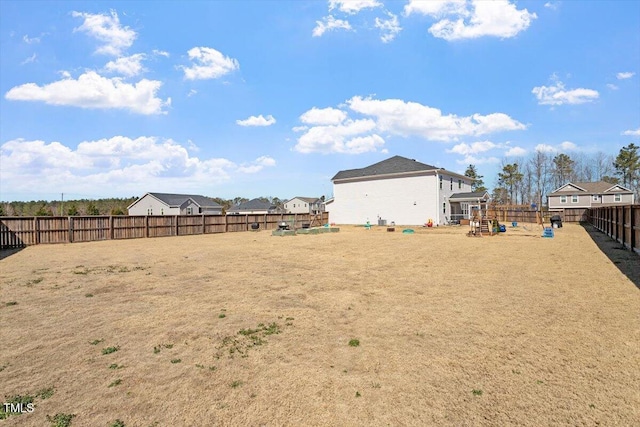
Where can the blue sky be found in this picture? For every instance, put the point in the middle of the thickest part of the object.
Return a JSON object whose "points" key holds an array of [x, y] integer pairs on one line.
{"points": [[273, 98]]}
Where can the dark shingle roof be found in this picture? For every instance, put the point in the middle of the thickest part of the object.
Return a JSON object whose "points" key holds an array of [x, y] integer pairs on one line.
{"points": [[396, 164], [471, 195], [179, 199], [253, 205]]}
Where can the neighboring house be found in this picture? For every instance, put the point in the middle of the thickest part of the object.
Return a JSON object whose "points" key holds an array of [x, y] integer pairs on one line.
{"points": [[308, 205], [589, 194], [255, 206], [462, 204], [398, 190], [174, 204]]}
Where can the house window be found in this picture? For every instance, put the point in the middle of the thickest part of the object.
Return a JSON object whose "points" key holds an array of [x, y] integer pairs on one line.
{"points": [[189, 211], [563, 199], [617, 198], [459, 183], [305, 205], [150, 211], [444, 208], [574, 198], [441, 182], [595, 198], [465, 209], [451, 182]]}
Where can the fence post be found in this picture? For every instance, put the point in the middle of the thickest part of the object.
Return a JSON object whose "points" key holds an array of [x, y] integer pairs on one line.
{"points": [[36, 229], [246, 222], [110, 227], [146, 222], [226, 223], [632, 221], [70, 218], [203, 225], [175, 217], [265, 221]]}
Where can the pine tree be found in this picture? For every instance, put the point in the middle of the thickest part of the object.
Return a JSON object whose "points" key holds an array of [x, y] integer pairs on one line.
{"points": [[511, 177], [477, 184], [627, 165], [563, 167]]}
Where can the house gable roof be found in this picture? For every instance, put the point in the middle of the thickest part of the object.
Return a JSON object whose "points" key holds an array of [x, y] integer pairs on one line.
{"points": [[393, 165], [305, 199], [598, 187], [253, 205], [177, 200]]}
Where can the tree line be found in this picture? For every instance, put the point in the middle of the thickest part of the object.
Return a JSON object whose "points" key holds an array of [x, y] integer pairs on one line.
{"points": [[529, 180], [108, 206], [525, 182]]}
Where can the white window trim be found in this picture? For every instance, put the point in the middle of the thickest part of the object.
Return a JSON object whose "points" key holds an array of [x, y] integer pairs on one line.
{"points": [[594, 198], [575, 198], [563, 199], [617, 198]]}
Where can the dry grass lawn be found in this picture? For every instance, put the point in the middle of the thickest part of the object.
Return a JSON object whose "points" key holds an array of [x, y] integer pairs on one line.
{"points": [[452, 330]]}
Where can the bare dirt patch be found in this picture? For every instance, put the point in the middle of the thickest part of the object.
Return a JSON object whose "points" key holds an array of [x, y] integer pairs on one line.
{"points": [[250, 329]]}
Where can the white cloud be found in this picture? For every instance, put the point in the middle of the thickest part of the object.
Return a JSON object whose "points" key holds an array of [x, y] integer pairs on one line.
{"points": [[632, 132], [473, 148], [560, 148], [353, 6], [568, 146], [329, 23], [160, 53], [91, 90], [389, 27], [544, 148], [191, 93], [332, 131], [612, 86], [30, 40], [107, 29], [552, 6], [130, 165], [347, 137], [323, 116], [403, 118], [30, 59], [209, 64], [299, 128], [436, 8], [558, 95], [257, 165], [515, 152], [257, 121], [625, 75], [128, 66], [472, 19]]}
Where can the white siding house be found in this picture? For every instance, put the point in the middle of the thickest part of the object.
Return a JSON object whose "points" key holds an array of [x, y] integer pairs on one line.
{"points": [[398, 190], [589, 194], [305, 205], [174, 204]]}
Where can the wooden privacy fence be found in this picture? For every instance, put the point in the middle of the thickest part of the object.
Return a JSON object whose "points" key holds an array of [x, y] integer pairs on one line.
{"points": [[17, 232], [621, 223], [529, 215]]}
